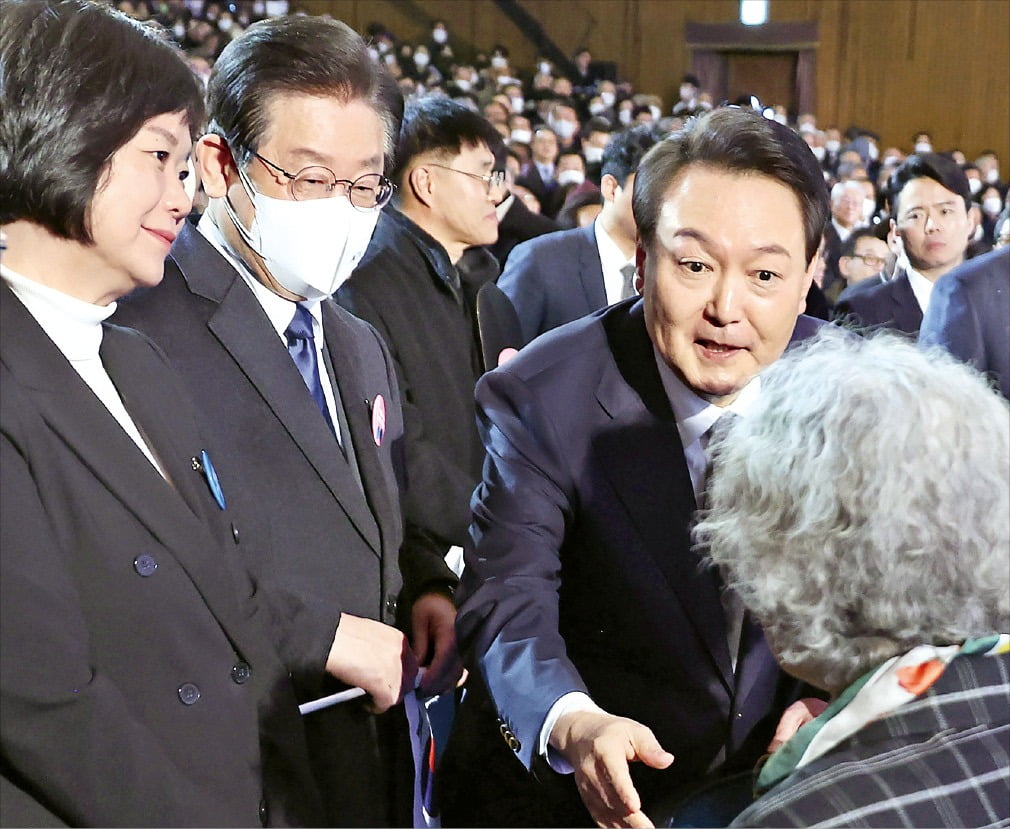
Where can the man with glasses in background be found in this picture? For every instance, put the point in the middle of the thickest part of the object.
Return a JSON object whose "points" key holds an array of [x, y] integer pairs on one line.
{"points": [[300, 399], [409, 287]]}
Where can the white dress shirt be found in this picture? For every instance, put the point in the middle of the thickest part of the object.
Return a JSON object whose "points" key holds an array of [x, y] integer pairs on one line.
{"points": [[75, 327], [612, 259], [279, 311], [921, 287]]}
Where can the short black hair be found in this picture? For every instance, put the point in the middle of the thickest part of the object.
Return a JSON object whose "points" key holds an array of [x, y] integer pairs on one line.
{"points": [[294, 54], [77, 82], [944, 171], [625, 151], [849, 245], [738, 141], [440, 126]]}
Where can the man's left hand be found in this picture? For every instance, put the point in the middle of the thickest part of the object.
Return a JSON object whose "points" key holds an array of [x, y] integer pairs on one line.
{"points": [[795, 717]]}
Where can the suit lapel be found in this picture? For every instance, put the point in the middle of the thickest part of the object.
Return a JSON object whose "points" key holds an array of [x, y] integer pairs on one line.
{"points": [[591, 269], [378, 480], [660, 505], [74, 413], [906, 312], [241, 326]]}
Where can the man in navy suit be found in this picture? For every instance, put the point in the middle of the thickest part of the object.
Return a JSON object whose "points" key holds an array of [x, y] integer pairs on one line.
{"points": [[619, 668], [559, 277], [930, 199], [293, 166], [969, 315]]}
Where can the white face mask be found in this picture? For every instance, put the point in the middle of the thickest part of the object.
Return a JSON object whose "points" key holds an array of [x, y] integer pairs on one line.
{"points": [[657, 113], [686, 92], [818, 153], [832, 146], [179, 30], [564, 129], [499, 61], [924, 147], [545, 68], [575, 177], [522, 136], [439, 35], [992, 175], [607, 98], [309, 247], [974, 185], [596, 108], [780, 118], [873, 152], [517, 104], [992, 205], [225, 24], [594, 155], [624, 116], [463, 84], [421, 59]]}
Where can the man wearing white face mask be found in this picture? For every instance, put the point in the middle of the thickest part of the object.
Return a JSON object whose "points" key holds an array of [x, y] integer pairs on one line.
{"points": [[302, 397]]}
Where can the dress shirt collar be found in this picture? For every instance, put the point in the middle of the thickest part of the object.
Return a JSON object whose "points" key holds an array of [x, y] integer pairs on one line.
{"points": [[503, 208], [843, 232], [73, 325], [695, 415], [921, 287], [279, 311], [612, 259]]}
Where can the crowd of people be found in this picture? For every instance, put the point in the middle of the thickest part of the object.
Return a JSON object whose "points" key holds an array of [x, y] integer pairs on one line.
{"points": [[484, 447]]}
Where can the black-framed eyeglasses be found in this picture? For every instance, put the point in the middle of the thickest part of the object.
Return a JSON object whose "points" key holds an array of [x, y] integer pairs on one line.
{"points": [[494, 180], [368, 192]]}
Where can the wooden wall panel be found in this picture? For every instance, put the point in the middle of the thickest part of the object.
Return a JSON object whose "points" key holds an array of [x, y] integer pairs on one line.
{"points": [[894, 66]]}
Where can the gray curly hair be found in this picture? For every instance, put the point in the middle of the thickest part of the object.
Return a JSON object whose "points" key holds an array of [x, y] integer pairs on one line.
{"points": [[864, 507]]}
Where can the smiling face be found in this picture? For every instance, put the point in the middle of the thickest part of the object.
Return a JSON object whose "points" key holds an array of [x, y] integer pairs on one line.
{"points": [[137, 210], [724, 278], [933, 225]]}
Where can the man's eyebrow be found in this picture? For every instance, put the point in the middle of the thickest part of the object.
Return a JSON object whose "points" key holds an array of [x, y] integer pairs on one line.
{"points": [[941, 203], [690, 233]]}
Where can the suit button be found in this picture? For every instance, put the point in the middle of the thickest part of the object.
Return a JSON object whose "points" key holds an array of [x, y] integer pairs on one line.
{"points": [[234, 532], [263, 812], [145, 565], [739, 715], [391, 605], [188, 693], [240, 673]]}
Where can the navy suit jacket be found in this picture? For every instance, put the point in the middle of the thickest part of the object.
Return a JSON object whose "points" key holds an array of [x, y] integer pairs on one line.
{"points": [[890, 304], [318, 543], [580, 575], [554, 279], [969, 315]]}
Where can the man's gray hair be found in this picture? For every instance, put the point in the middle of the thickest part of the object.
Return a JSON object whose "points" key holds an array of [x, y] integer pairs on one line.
{"points": [[864, 507]]}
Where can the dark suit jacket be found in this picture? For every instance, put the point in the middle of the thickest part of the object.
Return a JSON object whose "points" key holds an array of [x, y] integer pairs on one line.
{"points": [[580, 575], [132, 675], [969, 315], [554, 279], [320, 543], [519, 224], [887, 305], [545, 191], [401, 287]]}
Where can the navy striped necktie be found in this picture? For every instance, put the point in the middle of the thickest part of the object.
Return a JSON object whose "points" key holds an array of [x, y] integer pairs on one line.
{"points": [[302, 348]]}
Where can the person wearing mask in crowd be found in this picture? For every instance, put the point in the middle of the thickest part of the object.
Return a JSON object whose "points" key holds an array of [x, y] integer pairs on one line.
{"points": [[569, 174], [930, 199], [596, 136], [516, 222], [922, 142], [688, 104], [293, 164], [584, 77], [560, 277], [138, 685], [969, 315], [832, 147], [990, 202], [902, 613], [616, 668], [846, 215], [409, 287], [988, 163], [563, 119]]}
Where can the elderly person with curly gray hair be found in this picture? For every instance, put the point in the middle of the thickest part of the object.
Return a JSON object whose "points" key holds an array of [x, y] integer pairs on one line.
{"points": [[869, 531]]}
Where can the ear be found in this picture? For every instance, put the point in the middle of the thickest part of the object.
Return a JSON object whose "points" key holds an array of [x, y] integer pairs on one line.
{"points": [[609, 186], [217, 168], [808, 278], [421, 184], [893, 234], [640, 257]]}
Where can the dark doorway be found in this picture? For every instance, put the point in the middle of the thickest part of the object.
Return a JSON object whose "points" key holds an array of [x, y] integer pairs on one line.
{"points": [[771, 76]]}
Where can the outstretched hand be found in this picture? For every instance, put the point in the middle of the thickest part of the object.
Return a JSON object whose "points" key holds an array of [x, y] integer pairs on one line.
{"points": [[599, 747]]}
